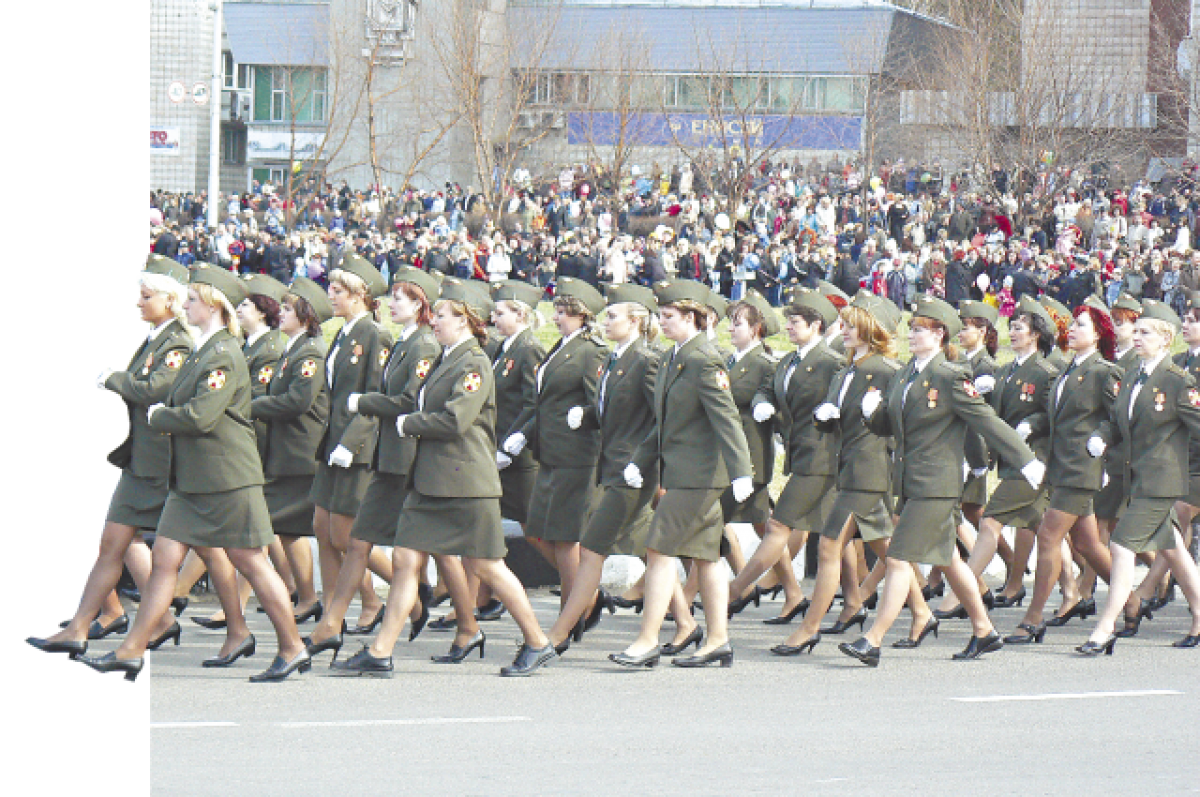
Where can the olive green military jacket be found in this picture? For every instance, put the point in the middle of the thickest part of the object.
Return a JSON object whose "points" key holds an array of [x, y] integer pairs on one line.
{"points": [[455, 428], [1116, 456], [147, 381], [262, 358], [1192, 365], [357, 367], [1020, 396], [515, 372], [1165, 413], [410, 362], [570, 375], [207, 414], [1059, 358], [1087, 398], [810, 452], [748, 377], [864, 458], [981, 364], [626, 415], [294, 410], [931, 425], [697, 442]]}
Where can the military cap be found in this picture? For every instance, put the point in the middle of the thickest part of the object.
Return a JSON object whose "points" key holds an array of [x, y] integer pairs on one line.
{"points": [[1096, 303], [262, 285], [882, 310], [421, 279], [1191, 300], [770, 317], [167, 267], [1160, 311], [315, 295], [364, 270], [717, 303], [515, 290], [1127, 302], [483, 293], [973, 309], [569, 287], [940, 311], [1030, 306], [672, 291], [833, 293], [221, 279], [813, 299], [628, 293], [456, 290], [1054, 306]]}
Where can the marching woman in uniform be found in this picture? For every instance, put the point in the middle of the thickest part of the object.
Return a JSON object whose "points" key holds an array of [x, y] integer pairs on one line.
{"points": [[1155, 411], [452, 506], [143, 459], [410, 361], [698, 449], [863, 502], [216, 497], [295, 410], [1079, 400], [354, 365], [566, 457], [928, 408], [624, 415]]}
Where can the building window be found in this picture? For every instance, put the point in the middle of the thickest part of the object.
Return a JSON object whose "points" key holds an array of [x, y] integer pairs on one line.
{"points": [[234, 75], [290, 94], [233, 146]]}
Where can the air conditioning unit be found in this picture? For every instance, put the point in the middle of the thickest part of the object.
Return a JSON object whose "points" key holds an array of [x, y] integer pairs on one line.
{"points": [[527, 120], [558, 120], [244, 106]]}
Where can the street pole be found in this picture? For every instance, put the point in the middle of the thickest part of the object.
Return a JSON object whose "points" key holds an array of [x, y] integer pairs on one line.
{"points": [[214, 119]]}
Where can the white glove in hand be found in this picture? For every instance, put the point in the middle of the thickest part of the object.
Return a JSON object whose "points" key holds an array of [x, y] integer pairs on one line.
{"points": [[575, 417], [966, 472], [503, 460], [633, 476], [352, 401], [871, 402], [515, 444], [827, 412], [104, 375], [1096, 446], [743, 488], [1034, 473], [1104, 479], [1024, 430], [400, 419], [979, 473], [341, 458], [153, 408], [985, 384], [763, 412]]}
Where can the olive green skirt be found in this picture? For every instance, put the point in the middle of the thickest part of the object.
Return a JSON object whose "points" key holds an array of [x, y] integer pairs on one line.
{"points": [[1109, 503], [975, 490], [1193, 496], [379, 513], [805, 501], [871, 514], [290, 505], [1072, 501], [340, 490], [558, 510], [137, 502], [687, 523], [1147, 524], [451, 526], [756, 509], [1016, 503], [517, 484], [925, 532], [620, 521], [231, 519]]}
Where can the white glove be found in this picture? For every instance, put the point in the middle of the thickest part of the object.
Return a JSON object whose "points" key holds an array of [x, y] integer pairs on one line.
{"points": [[515, 444], [104, 375], [1096, 446], [503, 460], [1104, 479], [966, 472], [763, 412], [352, 401], [871, 402], [979, 473], [1034, 473], [1024, 430], [985, 384], [827, 412], [575, 417], [633, 476], [153, 408], [341, 458], [743, 488], [400, 419]]}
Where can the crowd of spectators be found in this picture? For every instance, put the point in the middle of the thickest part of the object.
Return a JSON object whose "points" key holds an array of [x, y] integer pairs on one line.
{"points": [[900, 232]]}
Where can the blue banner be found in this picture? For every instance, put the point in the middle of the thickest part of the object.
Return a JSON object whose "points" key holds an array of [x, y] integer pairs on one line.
{"points": [[703, 130]]}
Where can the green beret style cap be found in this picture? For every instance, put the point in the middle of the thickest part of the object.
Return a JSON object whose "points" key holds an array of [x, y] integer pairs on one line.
{"points": [[456, 290], [316, 296], [628, 293], [672, 291], [569, 287], [828, 289], [883, 311], [263, 285], [1055, 306], [1160, 311], [482, 291], [1030, 306], [515, 290], [1127, 302], [421, 279], [973, 309], [167, 267], [764, 308], [717, 303], [940, 311], [1096, 303], [364, 270], [813, 299], [1191, 300], [224, 281]]}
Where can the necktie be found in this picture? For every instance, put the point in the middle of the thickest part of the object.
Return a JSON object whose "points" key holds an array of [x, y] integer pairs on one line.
{"points": [[732, 361], [787, 379], [1063, 382], [612, 360], [912, 377]]}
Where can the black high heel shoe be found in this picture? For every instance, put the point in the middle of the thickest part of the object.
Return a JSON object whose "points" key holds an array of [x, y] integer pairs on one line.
{"points": [[907, 643], [211, 625], [1078, 610], [438, 600], [1033, 633], [773, 592], [1189, 641], [314, 613], [872, 601], [174, 632], [117, 626], [862, 650], [459, 652], [738, 604], [72, 649], [1091, 648], [419, 624], [929, 593], [1006, 602], [648, 659], [694, 638], [989, 599], [838, 627], [978, 646], [959, 612], [333, 643], [796, 650], [179, 604], [1133, 624], [625, 603], [358, 629], [528, 660], [446, 623], [110, 663], [492, 610], [281, 669], [800, 608], [603, 600], [246, 649], [722, 655]]}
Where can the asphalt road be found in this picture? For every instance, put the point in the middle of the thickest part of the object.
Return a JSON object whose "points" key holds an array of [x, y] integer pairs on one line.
{"points": [[1034, 720]]}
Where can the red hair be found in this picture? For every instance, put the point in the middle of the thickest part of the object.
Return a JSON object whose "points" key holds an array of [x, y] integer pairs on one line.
{"points": [[1102, 323]]}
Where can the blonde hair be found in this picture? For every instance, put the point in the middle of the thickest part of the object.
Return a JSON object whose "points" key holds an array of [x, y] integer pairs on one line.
{"points": [[217, 300], [870, 331], [574, 306], [356, 285], [647, 321], [1162, 328], [175, 292], [529, 315]]}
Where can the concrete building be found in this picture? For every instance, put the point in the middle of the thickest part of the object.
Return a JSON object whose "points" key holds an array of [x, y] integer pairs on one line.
{"points": [[181, 36]]}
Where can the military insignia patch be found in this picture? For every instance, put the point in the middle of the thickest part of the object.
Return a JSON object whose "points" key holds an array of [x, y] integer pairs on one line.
{"points": [[149, 362], [472, 382], [600, 372], [216, 379], [970, 390], [722, 380], [265, 373], [383, 355], [508, 366], [422, 368], [1194, 397], [308, 368], [173, 361]]}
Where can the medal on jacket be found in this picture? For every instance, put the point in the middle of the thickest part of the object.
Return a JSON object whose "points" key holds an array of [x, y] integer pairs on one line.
{"points": [[508, 366], [149, 363], [932, 395], [1027, 391], [1160, 401], [1194, 397], [358, 350]]}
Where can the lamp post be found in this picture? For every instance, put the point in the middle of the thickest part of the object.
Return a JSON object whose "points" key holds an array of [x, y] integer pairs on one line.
{"points": [[214, 119]]}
